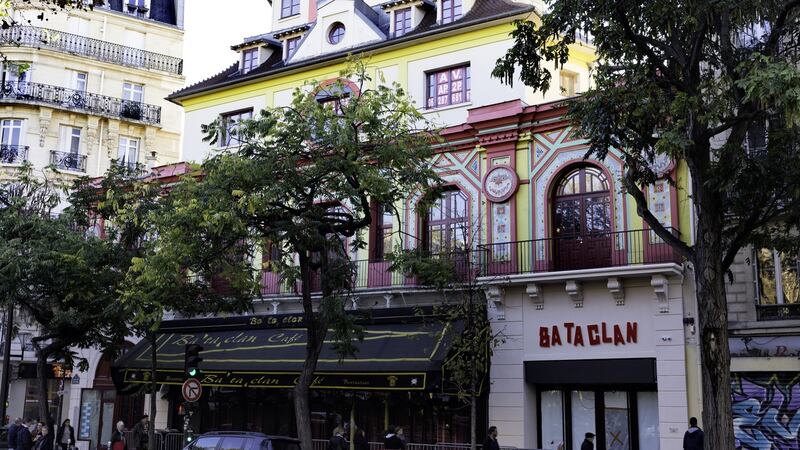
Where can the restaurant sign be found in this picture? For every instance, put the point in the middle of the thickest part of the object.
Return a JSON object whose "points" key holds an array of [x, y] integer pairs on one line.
{"points": [[576, 335], [287, 380]]}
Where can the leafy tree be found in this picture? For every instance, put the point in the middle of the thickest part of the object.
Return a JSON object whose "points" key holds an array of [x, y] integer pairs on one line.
{"points": [[57, 277], [303, 180], [170, 262], [703, 83]]}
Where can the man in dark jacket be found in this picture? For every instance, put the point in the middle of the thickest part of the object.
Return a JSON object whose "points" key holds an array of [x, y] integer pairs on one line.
{"points": [[693, 439], [491, 440], [12, 434], [141, 433], [588, 442], [24, 438], [337, 441]]}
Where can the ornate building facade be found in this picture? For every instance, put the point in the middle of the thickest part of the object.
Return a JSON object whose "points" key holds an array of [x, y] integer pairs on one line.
{"points": [[82, 90]]}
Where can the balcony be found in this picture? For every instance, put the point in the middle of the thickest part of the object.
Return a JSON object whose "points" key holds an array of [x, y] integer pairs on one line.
{"points": [[595, 251], [786, 311], [71, 99], [73, 162], [44, 38], [13, 154]]}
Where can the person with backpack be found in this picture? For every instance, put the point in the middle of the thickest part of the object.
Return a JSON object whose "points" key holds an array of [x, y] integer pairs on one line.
{"points": [[694, 436]]}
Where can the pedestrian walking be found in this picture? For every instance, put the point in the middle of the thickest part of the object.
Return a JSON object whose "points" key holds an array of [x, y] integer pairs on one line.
{"points": [[140, 433], [392, 441], [491, 440], [118, 441], [65, 436], [694, 436], [12, 434], [337, 441], [24, 438], [45, 439], [588, 442]]}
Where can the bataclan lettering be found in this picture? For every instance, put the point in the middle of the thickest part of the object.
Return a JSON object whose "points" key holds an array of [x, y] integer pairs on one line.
{"points": [[597, 334]]}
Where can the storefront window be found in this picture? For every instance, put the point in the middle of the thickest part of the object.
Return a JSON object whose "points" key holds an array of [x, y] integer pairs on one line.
{"points": [[617, 427], [31, 409], [90, 414], [583, 420], [552, 419], [648, 420]]}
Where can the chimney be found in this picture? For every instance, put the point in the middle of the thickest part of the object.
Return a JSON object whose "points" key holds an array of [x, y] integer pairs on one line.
{"points": [[312, 11]]}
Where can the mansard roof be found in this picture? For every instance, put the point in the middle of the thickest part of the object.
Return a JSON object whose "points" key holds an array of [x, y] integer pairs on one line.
{"points": [[483, 11]]}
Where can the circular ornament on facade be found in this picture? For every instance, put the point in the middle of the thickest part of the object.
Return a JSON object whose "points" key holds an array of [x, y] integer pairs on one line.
{"points": [[500, 183], [336, 33], [661, 165]]}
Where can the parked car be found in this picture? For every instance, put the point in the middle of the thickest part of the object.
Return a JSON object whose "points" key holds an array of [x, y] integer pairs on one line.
{"points": [[242, 440]]}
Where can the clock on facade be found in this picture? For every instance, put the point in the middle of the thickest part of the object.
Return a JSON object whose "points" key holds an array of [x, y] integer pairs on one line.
{"points": [[500, 183], [661, 165]]}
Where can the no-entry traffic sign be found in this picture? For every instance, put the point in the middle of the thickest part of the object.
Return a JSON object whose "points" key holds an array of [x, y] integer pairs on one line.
{"points": [[192, 390]]}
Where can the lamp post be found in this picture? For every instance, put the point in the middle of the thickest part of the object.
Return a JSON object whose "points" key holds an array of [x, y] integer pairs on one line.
{"points": [[7, 330]]}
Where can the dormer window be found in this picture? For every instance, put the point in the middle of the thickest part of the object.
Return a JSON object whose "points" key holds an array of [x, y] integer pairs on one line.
{"points": [[336, 33], [249, 60], [402, 21], [451, 10], [289, 8], [291, 46]]}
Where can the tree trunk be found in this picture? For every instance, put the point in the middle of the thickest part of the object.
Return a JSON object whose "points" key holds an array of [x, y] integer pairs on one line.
{"points": [[42, 376], [473, 411], [715, 353], [151, 431], [315, 331]]}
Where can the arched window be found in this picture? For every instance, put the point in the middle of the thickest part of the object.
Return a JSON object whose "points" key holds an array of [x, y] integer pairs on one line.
{"points": [[448, 223], [582, 203]]}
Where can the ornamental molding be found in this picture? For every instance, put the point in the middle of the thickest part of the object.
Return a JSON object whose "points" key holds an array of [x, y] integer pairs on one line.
{"points": [[536, 295], [660, 285], [495, 302], [617, 289], [575, 292]]}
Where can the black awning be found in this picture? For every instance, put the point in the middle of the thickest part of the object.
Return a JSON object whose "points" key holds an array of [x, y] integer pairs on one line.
{"points": [[399, 356], [592, 372]]}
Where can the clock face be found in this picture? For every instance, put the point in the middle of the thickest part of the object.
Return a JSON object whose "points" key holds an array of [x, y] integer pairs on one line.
{"points": [[500, 183], [661, 165]]}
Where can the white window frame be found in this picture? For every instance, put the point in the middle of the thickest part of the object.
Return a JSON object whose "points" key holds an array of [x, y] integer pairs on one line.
{"points": [[225, 138], [68, 134], [287, 53], [573, 76], [79, 77], [128, 145], [11, 72], [9, 124], [130, 90], [777, 266], [254, 61]]}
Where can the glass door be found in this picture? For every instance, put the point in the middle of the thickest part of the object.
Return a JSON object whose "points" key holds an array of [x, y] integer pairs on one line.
{"points": [[617, 432]]}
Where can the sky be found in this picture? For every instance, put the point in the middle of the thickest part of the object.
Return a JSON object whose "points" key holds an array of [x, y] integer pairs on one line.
{"points": [[211, 29]]}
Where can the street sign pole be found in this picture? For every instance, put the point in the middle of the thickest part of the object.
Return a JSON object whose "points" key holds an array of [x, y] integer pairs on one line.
{"points": [[9, 326]]}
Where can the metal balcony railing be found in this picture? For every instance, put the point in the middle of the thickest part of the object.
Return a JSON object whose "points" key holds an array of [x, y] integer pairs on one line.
{"points": [[13, 154], [786, 311], [46, 38], [68, 161], [590, 251], [61, 97]]}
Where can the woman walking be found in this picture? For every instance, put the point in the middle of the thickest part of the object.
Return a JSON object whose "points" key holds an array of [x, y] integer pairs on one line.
{"points": [[66, 435]]}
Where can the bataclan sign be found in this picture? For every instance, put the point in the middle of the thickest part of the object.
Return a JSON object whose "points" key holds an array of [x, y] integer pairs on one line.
{"points": [[602, 333]]}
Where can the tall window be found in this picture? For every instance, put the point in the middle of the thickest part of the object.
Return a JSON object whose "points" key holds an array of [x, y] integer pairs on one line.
{"points": [[384, 220], [291, 46], [71, 140], [80, 80], [569, 83], [778, 281], [12, 132], [448, 87], [289, 8], [402, 21], [128, 153], [249, 60], [451, 10], [132, 92], [16, 72], [448, 223], [230, 124], [582, 203]]}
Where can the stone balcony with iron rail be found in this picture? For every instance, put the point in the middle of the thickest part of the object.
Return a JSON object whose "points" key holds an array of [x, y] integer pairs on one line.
{"points": [[82, 101], [109, 52]]}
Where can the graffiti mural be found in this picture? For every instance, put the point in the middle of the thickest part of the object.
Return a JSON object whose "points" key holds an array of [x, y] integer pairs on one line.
{"points": [[766, 410]]}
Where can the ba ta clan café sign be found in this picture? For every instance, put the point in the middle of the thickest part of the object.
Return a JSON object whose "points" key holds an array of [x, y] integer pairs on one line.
{"points": [[595, 334]]}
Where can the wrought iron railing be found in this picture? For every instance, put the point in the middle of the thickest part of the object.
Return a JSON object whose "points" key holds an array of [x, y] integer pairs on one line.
{"points": [[13, 154], [23, 91], [786, 311], [68, 161], [39, 38], [592, 251]]}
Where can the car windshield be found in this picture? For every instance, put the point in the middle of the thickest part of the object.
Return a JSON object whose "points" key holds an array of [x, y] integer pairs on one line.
{"points": [[206, 443]]}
